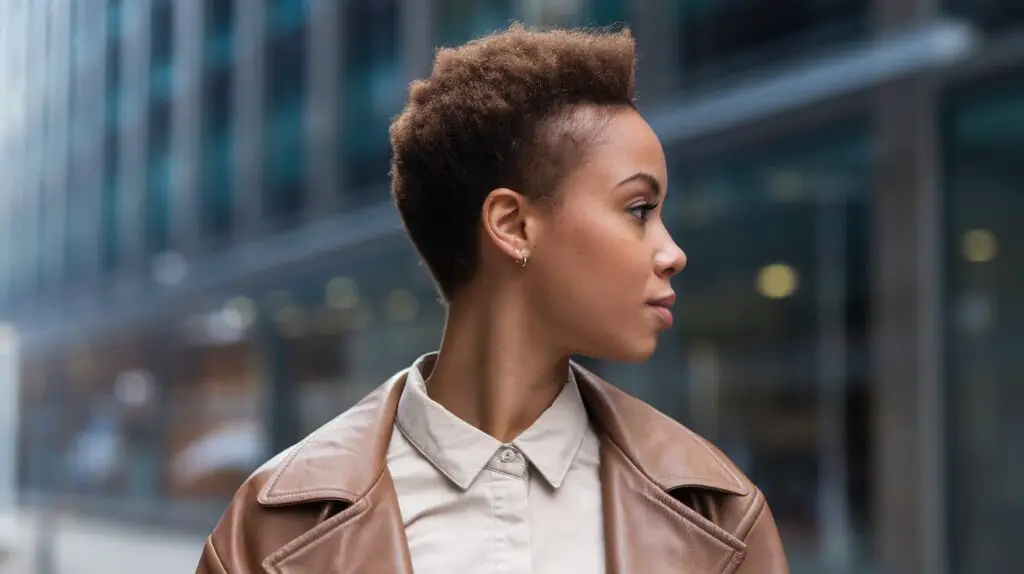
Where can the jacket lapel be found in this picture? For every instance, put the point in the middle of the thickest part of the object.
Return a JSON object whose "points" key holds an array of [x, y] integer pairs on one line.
{"points": [[646, 530], [343, 467], [365, 538]]}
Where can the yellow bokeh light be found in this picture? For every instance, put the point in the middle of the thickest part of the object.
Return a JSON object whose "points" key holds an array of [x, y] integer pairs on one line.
{"points": [[342, 293], [979, 245], [777, 281]]}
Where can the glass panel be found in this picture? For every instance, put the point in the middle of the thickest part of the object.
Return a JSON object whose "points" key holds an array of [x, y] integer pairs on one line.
{"points": [[161, 49], [570, 13], [78, 193], [94, 433], [992, 15], [216, 197], [110, 201], [109, 240], [462, 20], [158, 203], [286, 97], [286, 191], [984, 129], [161, 425], [769, 359], [722, 37], [115, 15], [344, 333], [214, 436], [158, 187], [76, 222], [374, 91], [459, 21]]}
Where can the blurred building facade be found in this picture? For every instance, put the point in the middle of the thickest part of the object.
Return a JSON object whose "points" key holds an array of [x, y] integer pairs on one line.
{"points": [[199, 254]]}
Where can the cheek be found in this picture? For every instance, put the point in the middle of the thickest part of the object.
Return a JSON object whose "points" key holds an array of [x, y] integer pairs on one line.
{"points": [[604, 258]]}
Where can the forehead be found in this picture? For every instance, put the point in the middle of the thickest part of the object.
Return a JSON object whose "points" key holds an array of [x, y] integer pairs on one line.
{"points": [[626, 145]]}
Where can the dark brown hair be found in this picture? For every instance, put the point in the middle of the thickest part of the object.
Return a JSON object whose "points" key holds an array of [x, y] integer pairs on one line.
{"points": [[498, 112]]}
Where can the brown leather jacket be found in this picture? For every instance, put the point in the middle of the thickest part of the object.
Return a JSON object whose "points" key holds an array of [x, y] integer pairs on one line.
{"points": [[672, 502]]}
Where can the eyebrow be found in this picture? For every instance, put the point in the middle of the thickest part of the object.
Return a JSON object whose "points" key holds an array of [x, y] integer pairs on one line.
{"points": [[644, 177]]}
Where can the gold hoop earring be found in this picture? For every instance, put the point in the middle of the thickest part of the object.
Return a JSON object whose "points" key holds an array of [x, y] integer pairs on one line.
{"points": [[523, 258]]}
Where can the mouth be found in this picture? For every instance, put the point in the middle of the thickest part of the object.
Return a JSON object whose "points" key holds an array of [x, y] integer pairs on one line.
{"points": [[662, 308]]}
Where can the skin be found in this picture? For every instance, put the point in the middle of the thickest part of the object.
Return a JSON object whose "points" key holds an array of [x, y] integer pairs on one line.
{"points": [[596, 260]]}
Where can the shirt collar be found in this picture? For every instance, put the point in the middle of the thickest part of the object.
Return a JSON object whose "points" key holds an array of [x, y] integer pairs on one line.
{"points": [[460, 451]]}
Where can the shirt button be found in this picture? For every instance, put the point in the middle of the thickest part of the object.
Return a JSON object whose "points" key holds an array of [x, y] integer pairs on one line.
{"points": [[507, 455]]}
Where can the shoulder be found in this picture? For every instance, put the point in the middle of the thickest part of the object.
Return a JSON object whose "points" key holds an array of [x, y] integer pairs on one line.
{"points": [[248, 532], [305, 484], [698, 474], [669, 453], [679, 461]]}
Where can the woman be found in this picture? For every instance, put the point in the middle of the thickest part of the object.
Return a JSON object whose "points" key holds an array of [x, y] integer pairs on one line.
{"points": [[532, 189]]}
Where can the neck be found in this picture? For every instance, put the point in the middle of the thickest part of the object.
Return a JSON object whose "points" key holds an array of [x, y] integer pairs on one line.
{"points": [[494, 370]]}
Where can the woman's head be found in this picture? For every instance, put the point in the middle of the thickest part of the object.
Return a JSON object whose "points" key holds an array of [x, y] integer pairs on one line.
{"points": [[525, 148]]}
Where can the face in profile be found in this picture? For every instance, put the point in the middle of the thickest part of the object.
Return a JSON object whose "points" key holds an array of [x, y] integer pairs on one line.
{"points": [[601, 266]]}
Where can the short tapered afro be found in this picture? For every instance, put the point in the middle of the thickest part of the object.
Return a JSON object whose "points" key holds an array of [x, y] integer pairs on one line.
{"points": [[498, 112]]}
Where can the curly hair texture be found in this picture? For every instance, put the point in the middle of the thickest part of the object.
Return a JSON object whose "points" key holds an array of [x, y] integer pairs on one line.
{"points": [[499, 112]]}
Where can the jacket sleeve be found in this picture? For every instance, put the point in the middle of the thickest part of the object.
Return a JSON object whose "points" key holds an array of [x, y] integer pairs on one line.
{"points": [[765, 554]]}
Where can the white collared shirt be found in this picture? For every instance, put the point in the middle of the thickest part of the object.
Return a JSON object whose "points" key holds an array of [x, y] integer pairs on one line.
{"points": [[473, 505]]}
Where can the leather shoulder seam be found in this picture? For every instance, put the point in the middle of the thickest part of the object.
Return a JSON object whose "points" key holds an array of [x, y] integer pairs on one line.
{"points": [[216, 554], [752, 515]]}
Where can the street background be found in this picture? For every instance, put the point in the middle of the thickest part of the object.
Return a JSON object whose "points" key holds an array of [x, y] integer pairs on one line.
{"points": [[199, 261]]}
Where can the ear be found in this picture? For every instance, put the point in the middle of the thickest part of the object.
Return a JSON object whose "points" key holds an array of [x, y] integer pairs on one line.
{"points": [[506, 222]]}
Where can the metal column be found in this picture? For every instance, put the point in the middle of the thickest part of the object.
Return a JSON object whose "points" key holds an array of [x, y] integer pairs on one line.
{"points": [[908, 441]]}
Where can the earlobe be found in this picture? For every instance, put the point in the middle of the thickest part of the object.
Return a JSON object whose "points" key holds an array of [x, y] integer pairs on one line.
{"points": [[504, 221]]}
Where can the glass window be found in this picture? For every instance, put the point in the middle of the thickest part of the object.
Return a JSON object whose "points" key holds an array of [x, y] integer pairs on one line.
{"points": [[161, 32], [158, 202], [214, 431], [115, 16], [93, 431], [79, 197], [992, 15], [6, 234], [109, 220], [217, 207], [459, 21], [113, 82], [77, 192], [374, 91], [721, 37], [769, 359], [110, 201], [216, 197], [151, 422], [36, 256], [286, 99], [342, 333], [571, 13], [985, 315], [158, 188]]}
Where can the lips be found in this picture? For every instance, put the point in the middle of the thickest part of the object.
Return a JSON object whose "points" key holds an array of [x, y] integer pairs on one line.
{"points": [[662, 308], [667, 301]]}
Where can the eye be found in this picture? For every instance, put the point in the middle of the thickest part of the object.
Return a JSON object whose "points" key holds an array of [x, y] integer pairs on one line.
{"points": [[640, 212]]}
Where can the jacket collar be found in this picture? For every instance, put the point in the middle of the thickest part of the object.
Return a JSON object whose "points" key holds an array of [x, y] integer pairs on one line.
{"points": [[346, 457]]}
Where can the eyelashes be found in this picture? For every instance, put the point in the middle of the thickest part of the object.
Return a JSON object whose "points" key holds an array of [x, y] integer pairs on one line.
{"points": [[642, 211]]}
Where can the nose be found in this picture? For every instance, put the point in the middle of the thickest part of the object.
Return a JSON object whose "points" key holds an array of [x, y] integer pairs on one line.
{"points": [[670, 259]]}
